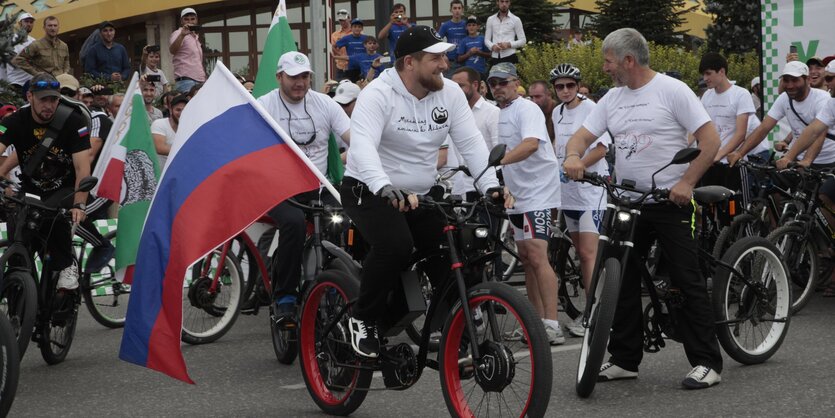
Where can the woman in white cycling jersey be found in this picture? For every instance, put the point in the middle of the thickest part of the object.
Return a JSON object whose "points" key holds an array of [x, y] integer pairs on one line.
{"points": [[582, 203]]}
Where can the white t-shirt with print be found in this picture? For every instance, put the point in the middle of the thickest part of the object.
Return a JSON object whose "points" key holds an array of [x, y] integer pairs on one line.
{"points": [[808, 110], [534, 181], [316, 110], [650, 125], [827, 115], [754, 123], [163, 127], [578, 195], [724, 108]]}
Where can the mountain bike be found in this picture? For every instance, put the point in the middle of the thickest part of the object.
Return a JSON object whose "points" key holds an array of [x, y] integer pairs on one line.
{"points": [[105, 296], [751, 296], [36, 309], [481, 370]]}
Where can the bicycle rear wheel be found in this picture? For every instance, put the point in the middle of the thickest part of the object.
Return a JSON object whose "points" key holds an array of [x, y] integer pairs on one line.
{"points": [[603, 304], [753, 312], [326, 360], [801, 259], [106, 297], [57, 333], [19, 302], [209, 313], [513, 377], [566, 263], [9, 365]]}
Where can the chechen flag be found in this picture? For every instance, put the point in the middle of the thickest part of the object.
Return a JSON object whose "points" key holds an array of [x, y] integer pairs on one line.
{"points": [[228, 166], [128, 171]]}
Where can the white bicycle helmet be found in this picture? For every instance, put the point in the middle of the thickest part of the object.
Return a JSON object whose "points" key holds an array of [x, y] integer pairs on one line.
{"points": [[565, 71]]}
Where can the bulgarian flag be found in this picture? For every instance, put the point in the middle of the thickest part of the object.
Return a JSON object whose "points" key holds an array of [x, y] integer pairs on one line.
{"points": [[280, 40], [128, 172]]}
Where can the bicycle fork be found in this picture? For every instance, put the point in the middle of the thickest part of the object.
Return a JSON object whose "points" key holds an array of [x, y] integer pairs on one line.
{"points": [[219, 270]]}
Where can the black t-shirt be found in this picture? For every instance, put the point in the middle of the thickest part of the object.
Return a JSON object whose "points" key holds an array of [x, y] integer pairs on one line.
{"points": [[100, 129], [56, 170]]}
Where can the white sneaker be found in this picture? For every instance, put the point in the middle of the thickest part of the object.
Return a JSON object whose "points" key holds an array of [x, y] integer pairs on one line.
{"points": [[701, 377], [609, 372], [68, 278], [554, 334], [575, 327], [364, 338]]}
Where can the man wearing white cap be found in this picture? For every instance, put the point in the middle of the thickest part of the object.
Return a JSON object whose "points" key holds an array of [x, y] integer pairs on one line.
{"points": [[187, 52], [399, 123], [308, 118], [13, 75], [799, 104], [755, 96], [344, 30], [346, 95]]}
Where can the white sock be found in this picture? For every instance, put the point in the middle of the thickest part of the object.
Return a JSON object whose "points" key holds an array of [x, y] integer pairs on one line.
{"points": [[553, 323]]}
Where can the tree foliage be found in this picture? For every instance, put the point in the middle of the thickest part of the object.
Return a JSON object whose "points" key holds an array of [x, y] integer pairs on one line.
{"points": [[537, 16], [10, 35], [657, 20], [736, 25], [536, 63]]}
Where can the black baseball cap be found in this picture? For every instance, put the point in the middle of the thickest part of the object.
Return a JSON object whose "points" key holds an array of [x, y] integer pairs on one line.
{"points": [[420, 38], [472, 19], [179, 99], [106, 24]]}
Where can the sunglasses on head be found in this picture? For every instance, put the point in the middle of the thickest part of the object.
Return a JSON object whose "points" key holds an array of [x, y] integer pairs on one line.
{"points": [[45, 85], [493, 82], [560, 87], [829, 78]]}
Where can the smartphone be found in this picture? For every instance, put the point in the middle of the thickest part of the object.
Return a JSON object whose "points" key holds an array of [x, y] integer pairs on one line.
{"points": [[792, 49], [194, 28], [153, 77], [385, 60]]}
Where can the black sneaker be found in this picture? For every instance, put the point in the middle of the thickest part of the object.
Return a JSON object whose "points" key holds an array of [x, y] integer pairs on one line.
{"points": [[364, 338], [701, 377], [99, 257], [285, 315]]}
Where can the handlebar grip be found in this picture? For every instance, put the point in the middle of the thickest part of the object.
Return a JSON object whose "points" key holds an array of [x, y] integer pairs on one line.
{"points": [[591, 175], [660, 194]]}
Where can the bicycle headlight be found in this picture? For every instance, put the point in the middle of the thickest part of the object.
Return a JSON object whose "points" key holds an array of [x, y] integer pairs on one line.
{"points": [[337, 218], [481, 232], [624, 217]]}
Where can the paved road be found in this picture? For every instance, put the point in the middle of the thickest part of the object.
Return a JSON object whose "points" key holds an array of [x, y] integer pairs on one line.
{"points": [[238, 376]]}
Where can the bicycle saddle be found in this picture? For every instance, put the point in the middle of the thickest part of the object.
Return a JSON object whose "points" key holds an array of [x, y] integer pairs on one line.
{"points": [[707, 195]]}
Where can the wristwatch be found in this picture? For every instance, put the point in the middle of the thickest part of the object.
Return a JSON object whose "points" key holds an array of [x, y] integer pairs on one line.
{"points": [[81, 206]]}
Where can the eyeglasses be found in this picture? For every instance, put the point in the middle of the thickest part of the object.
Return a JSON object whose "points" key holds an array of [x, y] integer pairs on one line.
{"points": [[45, 85], [493, 82], [560, 87], [829, 78]]}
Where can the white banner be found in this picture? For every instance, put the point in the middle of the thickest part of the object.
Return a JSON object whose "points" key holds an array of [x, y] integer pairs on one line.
{"points": [[805, 24]]}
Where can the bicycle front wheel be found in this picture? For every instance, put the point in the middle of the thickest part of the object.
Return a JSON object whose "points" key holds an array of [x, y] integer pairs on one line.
{"points": [[211, 307], [513, 377], [753, 307], [58, 332], [802, 260], [9, 366], [106, 297], [603, 301], [566, 264], [19, 302]]}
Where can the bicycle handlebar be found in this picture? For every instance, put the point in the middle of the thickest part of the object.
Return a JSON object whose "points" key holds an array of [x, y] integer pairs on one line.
{"points": [[321, 208], [660, 195]]}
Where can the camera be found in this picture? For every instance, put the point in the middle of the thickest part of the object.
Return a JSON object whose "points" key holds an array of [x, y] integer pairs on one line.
{"points": [[399, 17], [194, 28], [153, 77]]}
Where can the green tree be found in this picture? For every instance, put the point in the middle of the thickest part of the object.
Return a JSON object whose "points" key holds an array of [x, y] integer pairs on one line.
{"points": [[537, 16], [657, 20], [736, 25]]}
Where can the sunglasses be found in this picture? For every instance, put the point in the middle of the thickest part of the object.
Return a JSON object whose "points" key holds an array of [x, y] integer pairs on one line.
{"points": [[560, 87], [829, 78], [493, 82], [45, 85]]}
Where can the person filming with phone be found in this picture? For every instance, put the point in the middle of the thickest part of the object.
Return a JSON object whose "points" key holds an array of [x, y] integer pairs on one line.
{"points": [[187, 52], [150, 69]]}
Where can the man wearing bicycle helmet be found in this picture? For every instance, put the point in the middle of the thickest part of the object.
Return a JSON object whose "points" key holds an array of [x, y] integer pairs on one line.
{"points": [[582, 203], [531, 172], [649, 116], [400, 121], [59, 170]]}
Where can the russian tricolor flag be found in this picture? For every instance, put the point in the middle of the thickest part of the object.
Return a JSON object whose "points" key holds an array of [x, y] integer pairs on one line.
{"points": [[228, 166]]}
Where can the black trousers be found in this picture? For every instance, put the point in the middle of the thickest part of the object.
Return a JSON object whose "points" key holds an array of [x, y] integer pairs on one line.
{"points": [[392, 236], [512, 58], [674, 228], [286, 269]]}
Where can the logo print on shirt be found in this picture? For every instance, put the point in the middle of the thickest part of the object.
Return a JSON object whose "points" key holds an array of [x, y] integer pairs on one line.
{"points": [[440, 115], [633, 143]]}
